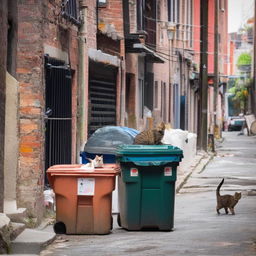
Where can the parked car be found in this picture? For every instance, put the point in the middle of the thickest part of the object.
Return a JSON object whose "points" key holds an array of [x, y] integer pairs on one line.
{"points": [[236, 123]]}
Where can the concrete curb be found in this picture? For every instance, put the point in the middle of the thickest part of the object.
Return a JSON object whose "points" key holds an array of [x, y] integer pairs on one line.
{"points": [[198, 167]]}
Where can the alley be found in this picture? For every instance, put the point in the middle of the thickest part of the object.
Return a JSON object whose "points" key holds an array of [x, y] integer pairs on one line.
{"points": [[198, 229]]}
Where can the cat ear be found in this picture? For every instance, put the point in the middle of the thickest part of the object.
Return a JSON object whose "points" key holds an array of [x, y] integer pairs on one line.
{"points": [[90, 160], [162, 126]]}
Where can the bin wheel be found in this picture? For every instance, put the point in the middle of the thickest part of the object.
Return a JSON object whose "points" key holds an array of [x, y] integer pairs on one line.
{"points": [[111, 223], [59, 228], [118, 220]]}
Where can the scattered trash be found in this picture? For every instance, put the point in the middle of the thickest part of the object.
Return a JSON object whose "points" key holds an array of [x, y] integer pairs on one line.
{"points": [[60, 239], [49, 199], [147, 112]]}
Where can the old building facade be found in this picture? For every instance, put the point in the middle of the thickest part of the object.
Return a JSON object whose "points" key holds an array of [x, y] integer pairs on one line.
{"points": [[81, 65]]}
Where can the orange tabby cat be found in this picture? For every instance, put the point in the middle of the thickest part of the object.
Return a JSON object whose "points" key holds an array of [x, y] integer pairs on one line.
{"points": [[226, 201]]}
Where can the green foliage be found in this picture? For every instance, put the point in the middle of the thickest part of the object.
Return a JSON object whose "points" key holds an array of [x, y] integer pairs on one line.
{"points": [[244, 59], [240, 93]]}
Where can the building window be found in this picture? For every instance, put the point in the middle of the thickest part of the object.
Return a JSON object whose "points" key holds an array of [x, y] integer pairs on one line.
{"points": [[191, 23], [140, 15], [69, 11], [174, 14]]}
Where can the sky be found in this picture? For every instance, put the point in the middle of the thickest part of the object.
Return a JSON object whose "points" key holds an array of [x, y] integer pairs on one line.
{"points": [[239, 11]]}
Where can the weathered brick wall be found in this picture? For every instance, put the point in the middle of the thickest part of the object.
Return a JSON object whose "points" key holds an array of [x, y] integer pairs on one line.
{"points": [[91, 38], [3, 51], [39, 24], [112, 14], [31, 97]]}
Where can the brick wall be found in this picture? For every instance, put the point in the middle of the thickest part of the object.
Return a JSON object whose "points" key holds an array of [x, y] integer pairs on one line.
{"points": [[3, 51], [39, 24], [91, 24], [31, 97], [113, 14]]}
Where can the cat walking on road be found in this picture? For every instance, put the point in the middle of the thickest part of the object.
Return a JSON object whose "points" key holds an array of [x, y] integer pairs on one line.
{"points": [[228, 202]]}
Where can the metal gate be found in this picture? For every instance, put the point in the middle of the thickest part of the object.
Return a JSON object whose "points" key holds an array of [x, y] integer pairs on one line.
{"points": [[102, 97], [102, 104], [58, 116]]}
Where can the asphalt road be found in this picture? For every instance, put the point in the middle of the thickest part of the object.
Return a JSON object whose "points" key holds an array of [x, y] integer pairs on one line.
{"points": [[198, 231]]}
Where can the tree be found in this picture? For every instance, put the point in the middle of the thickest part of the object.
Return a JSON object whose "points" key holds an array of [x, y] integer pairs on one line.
{"points": [[244, 62], [240, 92]]}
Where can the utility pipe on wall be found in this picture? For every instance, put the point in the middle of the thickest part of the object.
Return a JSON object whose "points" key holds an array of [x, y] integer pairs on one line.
{"points": [[82, 75]]}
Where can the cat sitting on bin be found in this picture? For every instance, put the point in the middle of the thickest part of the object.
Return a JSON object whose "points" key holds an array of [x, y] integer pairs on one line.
{"points": [[151, 136], [95, 163]]}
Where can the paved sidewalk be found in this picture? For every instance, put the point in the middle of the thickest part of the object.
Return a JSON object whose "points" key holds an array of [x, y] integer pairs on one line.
{"points": [[200, 161]]}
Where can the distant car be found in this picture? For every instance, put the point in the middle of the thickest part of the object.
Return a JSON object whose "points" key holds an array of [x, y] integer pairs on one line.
{"points": [[236, 123]]}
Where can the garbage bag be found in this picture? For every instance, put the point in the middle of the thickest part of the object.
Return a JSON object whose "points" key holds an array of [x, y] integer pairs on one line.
{"points": [[106, 139]]}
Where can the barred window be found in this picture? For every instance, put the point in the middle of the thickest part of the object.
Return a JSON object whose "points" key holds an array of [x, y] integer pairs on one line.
{"points": [[69, 11]]}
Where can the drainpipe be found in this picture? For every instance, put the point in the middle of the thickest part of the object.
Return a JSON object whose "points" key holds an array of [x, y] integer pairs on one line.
{"points": [[81, 118]]}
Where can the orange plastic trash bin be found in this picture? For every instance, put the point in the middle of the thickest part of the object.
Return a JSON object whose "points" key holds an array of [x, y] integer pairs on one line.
{"points": [[83, 198]]}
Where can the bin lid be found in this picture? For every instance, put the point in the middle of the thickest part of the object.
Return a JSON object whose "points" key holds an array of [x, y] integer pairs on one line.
{"points": [[83, 170], [148, 150], [106, 139], [149, 155], [79, 170]]}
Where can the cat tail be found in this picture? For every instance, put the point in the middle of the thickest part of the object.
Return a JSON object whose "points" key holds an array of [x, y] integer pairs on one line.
{"points": [[218, 188]]}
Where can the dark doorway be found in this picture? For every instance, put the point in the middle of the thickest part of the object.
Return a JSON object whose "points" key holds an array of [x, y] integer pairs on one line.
{"points": [[102, 96], [58, 116]]}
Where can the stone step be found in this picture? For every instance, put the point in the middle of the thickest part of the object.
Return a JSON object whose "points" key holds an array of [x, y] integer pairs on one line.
{"points": [[5, 231], [17, 229], [18, 216], [31, 241]]}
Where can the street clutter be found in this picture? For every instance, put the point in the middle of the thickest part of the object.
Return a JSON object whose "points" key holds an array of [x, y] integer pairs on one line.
{"points": [[184, 140], [149, 170]]}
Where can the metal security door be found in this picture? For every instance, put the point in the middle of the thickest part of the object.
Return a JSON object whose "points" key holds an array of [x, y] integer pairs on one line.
{"points": [[58, 116], [102, 104], [102, 96]]}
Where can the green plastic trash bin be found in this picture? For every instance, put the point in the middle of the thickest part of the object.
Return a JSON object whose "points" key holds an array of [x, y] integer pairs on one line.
{"points": [[146, 186]]}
